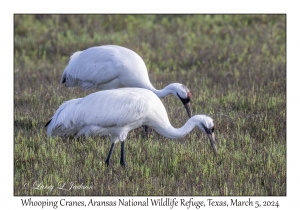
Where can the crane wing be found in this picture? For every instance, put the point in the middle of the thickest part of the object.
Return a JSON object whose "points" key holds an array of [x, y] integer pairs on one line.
{"points": [[105, 109], [90, 68]]}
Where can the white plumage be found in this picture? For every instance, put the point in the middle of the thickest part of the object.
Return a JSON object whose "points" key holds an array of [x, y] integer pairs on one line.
{"points": [[118, 111], [111, 67]]}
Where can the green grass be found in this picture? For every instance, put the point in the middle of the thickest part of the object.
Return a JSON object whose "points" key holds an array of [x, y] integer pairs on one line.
{"points": [[235, 67]]}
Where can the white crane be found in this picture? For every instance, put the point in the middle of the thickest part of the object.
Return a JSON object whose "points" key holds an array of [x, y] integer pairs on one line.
{"points": [[118, 111], [111, 67]]}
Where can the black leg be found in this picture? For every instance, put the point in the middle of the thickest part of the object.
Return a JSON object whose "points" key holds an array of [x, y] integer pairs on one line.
{"points": [[122, 159], [146, 128], [109, 154]]}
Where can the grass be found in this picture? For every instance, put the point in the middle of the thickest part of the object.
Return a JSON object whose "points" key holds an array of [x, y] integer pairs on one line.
{"points": [[235, 67]]}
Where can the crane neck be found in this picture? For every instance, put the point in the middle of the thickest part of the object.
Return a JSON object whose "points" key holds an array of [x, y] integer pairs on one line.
{"points": [[163, 92], [175, 133]]}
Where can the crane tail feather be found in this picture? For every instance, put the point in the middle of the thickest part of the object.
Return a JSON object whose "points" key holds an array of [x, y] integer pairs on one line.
{"points": [[47, 123], [63, 79]]}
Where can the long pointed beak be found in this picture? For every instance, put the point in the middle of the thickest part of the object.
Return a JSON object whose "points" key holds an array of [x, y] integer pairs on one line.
{"points": [[188, 109], [213, 142]]}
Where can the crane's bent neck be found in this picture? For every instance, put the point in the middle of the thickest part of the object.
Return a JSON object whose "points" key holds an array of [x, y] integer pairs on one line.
{"points": [[175, 133], [163, 92]]}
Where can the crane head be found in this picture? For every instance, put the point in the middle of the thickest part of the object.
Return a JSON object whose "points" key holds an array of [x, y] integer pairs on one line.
{"points": [[208, 127], [211, 136], [185, 96]]}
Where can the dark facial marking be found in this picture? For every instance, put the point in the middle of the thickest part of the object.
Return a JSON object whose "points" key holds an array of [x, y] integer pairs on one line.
{"points": [[189, 95], [184, 100], [210, 130]]}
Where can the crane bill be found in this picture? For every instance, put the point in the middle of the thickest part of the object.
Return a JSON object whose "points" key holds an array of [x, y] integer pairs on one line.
{"points": [[188, 109], [213, 142]]}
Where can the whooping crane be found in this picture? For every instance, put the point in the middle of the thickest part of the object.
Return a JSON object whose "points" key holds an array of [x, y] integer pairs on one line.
{"points": [[118, 111], [111, 67]]}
